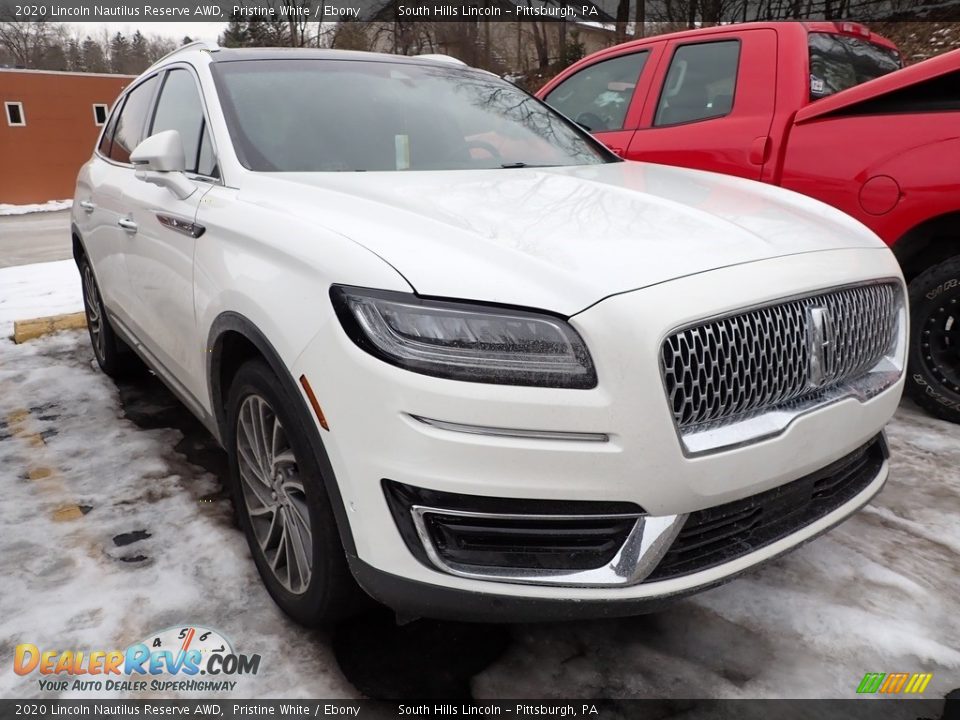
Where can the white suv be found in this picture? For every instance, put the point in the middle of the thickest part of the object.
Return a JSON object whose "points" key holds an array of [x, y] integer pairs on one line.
{"points": [[464, 358]]}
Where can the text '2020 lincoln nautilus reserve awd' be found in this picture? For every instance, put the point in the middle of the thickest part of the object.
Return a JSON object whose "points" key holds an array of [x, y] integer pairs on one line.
{"points": [[463, 357]]}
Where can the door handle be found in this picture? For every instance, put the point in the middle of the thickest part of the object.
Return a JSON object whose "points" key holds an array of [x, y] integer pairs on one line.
{"points": [[127, 224], [87, 205]]}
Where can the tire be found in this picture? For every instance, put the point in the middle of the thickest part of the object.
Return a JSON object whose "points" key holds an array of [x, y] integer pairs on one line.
{"points": [[934, 360], [281, 502], [113, 355]]}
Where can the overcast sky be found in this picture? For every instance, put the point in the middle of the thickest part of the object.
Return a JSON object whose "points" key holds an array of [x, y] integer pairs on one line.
{"points": [[173, 30]]}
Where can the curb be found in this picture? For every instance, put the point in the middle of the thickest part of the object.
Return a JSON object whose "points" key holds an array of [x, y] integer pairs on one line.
{"points": [[24, 330]]}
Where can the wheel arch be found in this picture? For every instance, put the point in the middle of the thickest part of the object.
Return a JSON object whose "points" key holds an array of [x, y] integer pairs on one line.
{"points": [[928, 243], [77, 243], [233, 340]]}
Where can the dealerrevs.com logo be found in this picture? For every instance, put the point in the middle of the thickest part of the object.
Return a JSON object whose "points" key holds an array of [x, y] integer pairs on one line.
{"points": [[168, 661]]}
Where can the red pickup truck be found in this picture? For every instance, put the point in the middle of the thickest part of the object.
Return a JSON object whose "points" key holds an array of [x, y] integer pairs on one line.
{"points": [[821, 108]]}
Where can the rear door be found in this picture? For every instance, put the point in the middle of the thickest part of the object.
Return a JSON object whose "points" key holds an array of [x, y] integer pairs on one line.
{"points": [[102, 204], [607, 96], [712, 104]]}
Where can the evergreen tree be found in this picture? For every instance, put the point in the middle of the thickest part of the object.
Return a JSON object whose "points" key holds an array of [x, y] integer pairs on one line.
{"points": [[53, 57], [139, 57], [74, 55], [236, 33], [119, 54], [94, 59]]}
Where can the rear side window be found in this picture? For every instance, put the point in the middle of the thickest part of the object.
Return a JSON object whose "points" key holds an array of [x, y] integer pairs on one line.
{"points": [[839, 62], [180, 108], [700, 83], [107, 138], [132, 120], [598, 96]]}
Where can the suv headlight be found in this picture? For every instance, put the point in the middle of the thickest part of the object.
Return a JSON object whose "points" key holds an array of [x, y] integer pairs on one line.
{"points": [[465, 341]]}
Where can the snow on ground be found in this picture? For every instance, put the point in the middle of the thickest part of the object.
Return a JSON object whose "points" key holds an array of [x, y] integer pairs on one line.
{"points": [[32, 291], [877, 594], [880, 591], [49, 206], [67, 585]]}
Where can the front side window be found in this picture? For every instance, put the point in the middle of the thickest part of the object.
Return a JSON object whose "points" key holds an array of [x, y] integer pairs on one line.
{"points": [[133, 116], [700, 83], [15, 116], [345, 116], [180, 108], [839, 62], [598, 96]]}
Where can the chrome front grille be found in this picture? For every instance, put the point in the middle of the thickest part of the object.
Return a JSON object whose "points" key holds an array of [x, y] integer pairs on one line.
{"points": [[778, 355]]}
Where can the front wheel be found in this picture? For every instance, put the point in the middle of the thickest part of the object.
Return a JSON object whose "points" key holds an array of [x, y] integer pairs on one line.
{"points": [[282, 504], [934, 381]]}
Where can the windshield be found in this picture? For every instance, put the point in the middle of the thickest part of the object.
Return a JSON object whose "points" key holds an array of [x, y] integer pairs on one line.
{"points": [[838, 62], [341, 116]]}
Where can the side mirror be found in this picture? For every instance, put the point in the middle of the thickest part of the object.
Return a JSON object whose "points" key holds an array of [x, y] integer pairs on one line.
{"points": [[160, 161]]}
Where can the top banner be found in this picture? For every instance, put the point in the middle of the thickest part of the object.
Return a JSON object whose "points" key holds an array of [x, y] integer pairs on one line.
{"points": [[399, 11]]}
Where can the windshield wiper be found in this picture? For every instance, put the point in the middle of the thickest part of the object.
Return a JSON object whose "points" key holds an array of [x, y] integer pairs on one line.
{"points": [[516, 165]]}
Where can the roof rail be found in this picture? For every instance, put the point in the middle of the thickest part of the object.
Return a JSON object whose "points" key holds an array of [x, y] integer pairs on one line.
{"points": [[195, 45]]}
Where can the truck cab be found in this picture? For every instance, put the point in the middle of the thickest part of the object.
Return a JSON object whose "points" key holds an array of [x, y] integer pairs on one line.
{"points": [[718, 99], [822, 108]]}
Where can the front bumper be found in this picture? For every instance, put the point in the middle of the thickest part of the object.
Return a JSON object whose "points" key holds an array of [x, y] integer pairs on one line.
{"points": [[418, 599], [375, 435]]}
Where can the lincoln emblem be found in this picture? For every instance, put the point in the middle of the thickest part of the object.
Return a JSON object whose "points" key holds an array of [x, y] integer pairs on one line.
{"points": [[818, 322]]}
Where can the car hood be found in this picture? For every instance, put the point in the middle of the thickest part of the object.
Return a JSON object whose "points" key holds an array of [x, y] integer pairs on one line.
{"points": [[557, 238]]}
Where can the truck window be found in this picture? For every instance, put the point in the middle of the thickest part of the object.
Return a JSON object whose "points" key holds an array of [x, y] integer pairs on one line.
{"points": [[700, 83], [598, 96], [838, 62]]}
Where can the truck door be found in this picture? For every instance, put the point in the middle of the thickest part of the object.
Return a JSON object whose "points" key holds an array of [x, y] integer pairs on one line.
{"points": [[712, 104], [607, 96]]}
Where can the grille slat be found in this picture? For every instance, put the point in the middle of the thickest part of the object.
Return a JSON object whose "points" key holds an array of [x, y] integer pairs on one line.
{"points": [[761, 359]]}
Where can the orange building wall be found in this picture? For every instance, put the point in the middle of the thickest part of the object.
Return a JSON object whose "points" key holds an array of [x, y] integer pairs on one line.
{"points": [[40, 161]]}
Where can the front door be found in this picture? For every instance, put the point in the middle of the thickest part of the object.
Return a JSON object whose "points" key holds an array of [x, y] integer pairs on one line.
{"points": [[606, 97], [162, 236]]}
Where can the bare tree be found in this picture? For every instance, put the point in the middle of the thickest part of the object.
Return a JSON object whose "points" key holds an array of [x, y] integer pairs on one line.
{"points": [[25, 42]]}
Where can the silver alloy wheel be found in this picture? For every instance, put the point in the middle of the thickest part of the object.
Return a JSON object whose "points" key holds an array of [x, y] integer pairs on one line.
{"points": [[274, 495], [94, 316]]}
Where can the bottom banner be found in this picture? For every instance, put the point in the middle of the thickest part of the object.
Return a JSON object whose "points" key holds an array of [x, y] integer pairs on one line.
{"points": [[866, 709]]}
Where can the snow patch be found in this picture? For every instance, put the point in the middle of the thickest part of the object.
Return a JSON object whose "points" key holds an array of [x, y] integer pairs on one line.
{"points": [[49, 206], [38, 290]]}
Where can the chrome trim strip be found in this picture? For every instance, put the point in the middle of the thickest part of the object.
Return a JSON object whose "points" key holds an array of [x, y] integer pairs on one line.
{"points": [[512, 432], [646, 544], [181, 225]]}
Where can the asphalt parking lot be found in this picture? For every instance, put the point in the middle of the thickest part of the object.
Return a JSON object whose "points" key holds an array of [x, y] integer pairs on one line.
{"points": [[33, 238], [114, 524]]}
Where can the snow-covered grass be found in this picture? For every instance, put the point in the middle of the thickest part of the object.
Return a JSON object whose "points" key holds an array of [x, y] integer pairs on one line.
{"points": [[31, 291], [49, 206]]}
